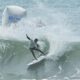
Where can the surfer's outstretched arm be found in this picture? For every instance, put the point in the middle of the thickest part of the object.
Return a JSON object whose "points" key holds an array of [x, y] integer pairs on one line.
{"points": [[28, 37]]}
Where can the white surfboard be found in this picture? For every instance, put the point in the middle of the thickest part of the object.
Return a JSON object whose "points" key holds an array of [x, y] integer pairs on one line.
{"points": [[36, 61]]}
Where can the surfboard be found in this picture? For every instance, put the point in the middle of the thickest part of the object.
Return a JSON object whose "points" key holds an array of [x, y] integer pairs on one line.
{"points": [[36, 61]]}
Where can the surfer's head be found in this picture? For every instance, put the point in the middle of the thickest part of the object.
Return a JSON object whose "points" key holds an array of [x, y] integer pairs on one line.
{"points": [[36, 40]]}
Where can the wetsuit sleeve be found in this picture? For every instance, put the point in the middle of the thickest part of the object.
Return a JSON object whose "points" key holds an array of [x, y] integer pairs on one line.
{"points": [[28, 37]]}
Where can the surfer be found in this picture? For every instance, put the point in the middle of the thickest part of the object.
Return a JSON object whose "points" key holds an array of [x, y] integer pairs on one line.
{"points": [[34, 46]]}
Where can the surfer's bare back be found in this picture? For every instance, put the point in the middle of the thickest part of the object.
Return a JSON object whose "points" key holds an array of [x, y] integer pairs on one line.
{"points": [[34, 46]]}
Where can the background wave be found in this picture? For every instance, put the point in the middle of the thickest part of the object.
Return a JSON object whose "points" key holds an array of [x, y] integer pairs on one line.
{"points": [[56, 24]]}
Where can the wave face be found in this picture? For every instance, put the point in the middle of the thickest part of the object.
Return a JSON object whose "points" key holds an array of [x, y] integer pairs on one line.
{"points": [[15, 55], [56, 24]]}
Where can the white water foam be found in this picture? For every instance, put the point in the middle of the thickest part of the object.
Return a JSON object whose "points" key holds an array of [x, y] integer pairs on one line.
{"points": [[55, 31]]}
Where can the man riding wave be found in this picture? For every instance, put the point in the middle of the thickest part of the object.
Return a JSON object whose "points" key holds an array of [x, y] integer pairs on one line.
{"points": [[34, 46]]}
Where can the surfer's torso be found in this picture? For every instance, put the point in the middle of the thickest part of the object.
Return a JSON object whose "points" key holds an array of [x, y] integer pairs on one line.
{"points": [[33, 44]]}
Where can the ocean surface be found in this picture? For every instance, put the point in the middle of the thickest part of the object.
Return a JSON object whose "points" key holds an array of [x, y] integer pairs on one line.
{"points": [[56, 23]]}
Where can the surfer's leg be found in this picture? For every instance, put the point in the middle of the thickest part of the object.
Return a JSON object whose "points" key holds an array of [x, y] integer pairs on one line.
{"points": [[39, 51], [33, 53]]}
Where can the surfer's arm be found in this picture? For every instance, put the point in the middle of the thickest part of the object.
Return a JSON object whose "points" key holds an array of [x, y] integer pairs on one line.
{"points": [[38, 46], [28, 37]]}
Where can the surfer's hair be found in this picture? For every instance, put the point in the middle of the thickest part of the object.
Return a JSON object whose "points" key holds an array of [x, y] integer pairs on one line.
{"points": [[36, 40]]}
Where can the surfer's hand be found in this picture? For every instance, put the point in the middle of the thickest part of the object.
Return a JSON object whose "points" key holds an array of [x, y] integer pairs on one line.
{"points": [[26, 35]]}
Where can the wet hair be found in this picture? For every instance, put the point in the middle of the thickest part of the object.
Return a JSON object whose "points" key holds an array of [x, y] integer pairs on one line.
{"points": [[36, 40]]}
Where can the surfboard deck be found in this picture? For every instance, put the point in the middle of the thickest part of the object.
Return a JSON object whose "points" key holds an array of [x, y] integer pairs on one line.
{"points": [[36, 61]]}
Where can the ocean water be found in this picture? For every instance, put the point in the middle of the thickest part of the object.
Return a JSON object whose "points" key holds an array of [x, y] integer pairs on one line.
{"points": [[57, 25]]}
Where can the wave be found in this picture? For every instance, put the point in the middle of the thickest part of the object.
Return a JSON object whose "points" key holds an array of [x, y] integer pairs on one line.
{"points": [[58, 40], [16, 54]]}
